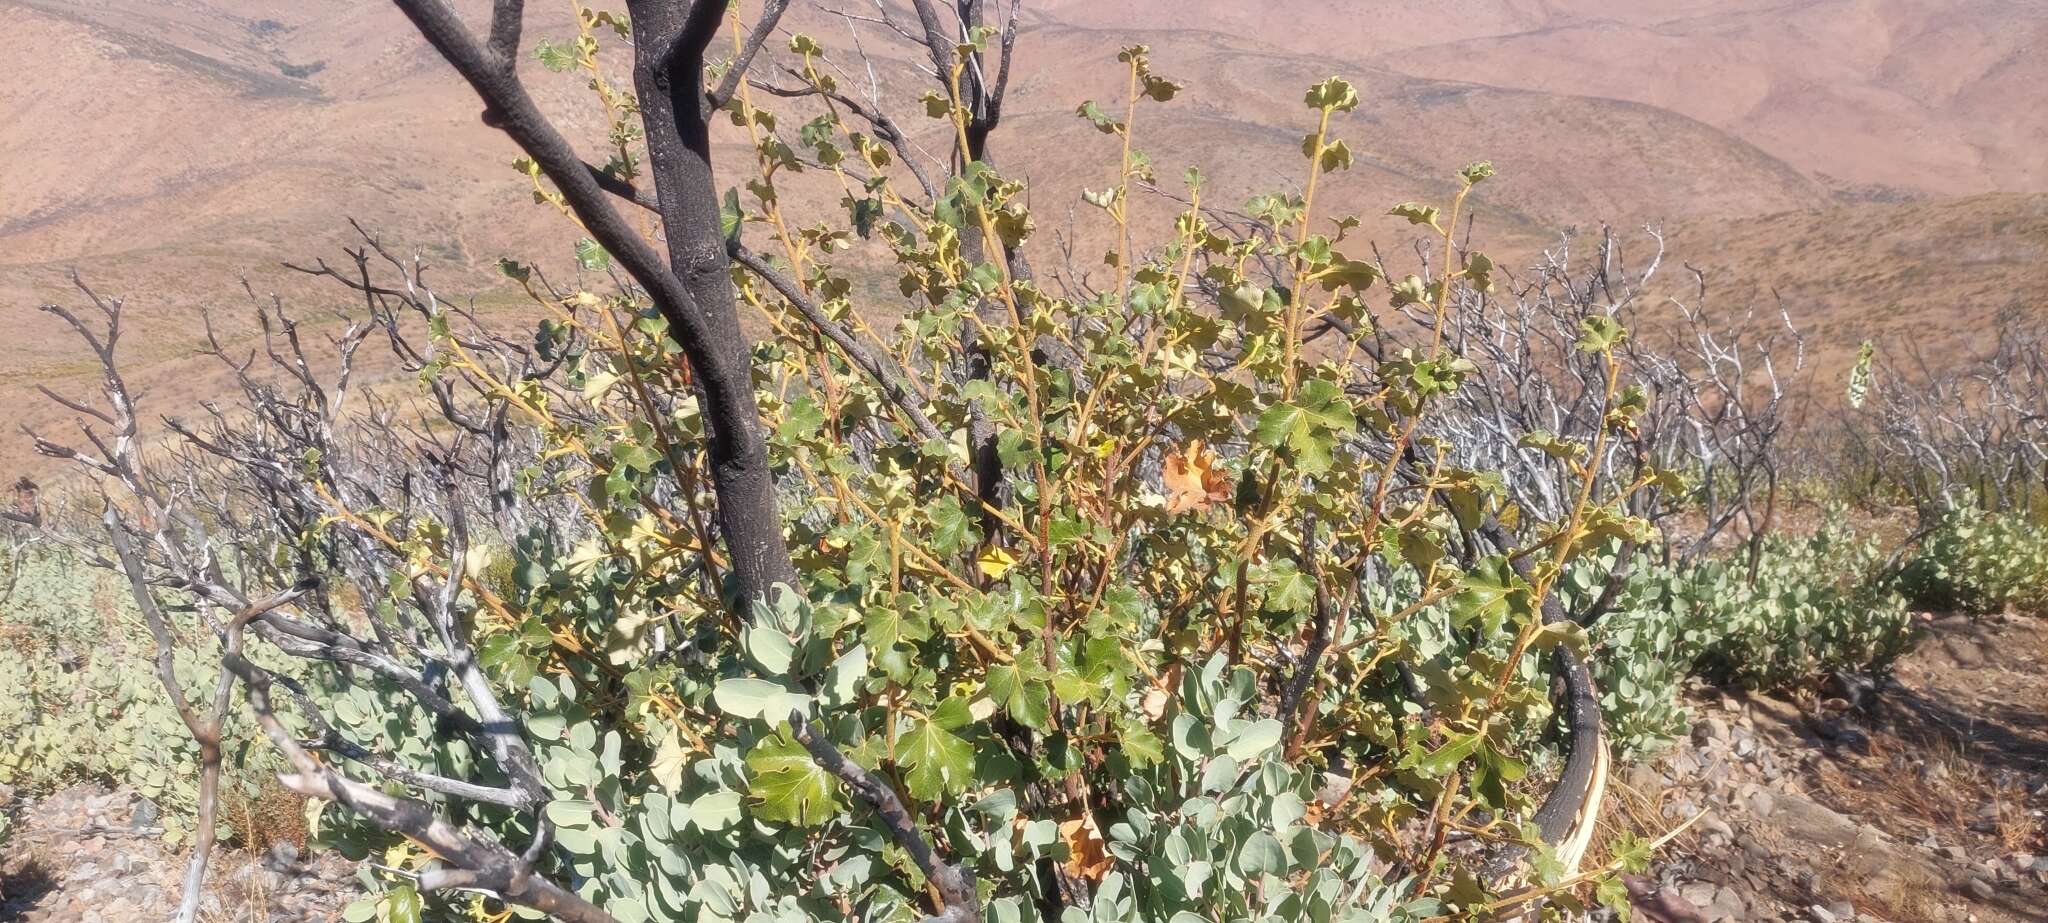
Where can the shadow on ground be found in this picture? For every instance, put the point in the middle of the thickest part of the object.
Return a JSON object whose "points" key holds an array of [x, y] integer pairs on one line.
{"points": [[22, 888]]}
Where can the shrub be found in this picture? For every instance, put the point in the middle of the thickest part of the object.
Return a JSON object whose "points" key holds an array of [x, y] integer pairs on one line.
{"points": [[79, 700], [1976, 562], [1648, 645], [1057, 598], [1816, 605], [1952, 432]]}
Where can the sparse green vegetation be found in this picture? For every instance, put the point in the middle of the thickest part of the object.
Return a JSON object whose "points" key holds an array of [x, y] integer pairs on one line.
{"points": [[80, 702], [1978, 562]]}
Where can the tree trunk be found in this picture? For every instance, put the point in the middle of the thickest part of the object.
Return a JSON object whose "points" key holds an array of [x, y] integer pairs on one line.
{"points": [[203, 831], [670, 39]]}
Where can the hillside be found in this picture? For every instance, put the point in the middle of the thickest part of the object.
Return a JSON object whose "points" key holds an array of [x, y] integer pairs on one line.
{"points": [[169, 150], [1928, 274], [1883, 98]]}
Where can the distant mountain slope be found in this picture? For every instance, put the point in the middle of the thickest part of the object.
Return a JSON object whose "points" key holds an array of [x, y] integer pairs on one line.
{"points": [[1927, 275], [1876, 97], [168, 148]]}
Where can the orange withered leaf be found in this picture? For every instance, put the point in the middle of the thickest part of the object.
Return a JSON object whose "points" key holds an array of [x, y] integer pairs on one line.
{"points": [[1193, 480], [1087, 854]]}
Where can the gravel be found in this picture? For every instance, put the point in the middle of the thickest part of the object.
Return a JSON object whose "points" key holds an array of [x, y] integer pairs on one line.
{"points": [[83, 855]]}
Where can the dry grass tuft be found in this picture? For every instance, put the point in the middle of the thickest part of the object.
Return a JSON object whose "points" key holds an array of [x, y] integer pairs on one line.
{"points": [[274, 815], [1634, 804], [1907, 895], [2019, 828]]}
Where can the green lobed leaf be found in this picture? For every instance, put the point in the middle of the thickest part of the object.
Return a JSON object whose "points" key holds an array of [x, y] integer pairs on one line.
{"points": [[788, 786], [591, 255], [936, 760]]}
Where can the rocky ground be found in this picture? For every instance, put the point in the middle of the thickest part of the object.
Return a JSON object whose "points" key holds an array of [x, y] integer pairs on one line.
{"points": [[1923, 800], [83, 855]]}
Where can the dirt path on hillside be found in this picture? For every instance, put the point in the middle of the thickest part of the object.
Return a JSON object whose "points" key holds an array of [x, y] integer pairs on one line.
{"points": [[1923, 800]]}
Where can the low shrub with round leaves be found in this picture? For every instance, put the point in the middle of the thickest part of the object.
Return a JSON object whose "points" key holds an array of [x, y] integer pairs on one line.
{"points": [[80, 700], [1815, 605], [1976, 562]]}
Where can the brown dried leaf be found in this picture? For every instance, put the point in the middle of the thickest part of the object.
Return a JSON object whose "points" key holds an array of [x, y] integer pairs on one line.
{"points": [[1193, 480], [1087, 854]]}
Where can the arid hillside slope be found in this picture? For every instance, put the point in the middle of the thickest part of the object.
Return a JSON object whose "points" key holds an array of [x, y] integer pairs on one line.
{"points": [[1873, 98], [168, 150]]}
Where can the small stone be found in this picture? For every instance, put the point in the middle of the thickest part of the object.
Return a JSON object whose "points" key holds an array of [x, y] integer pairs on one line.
{"points": [[283, 856], [1761, 803], [1713, 824], [1821, 914], [1979, 889], [1843, 910], [1335, 786], [146, 814], [1728, 905]]}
